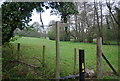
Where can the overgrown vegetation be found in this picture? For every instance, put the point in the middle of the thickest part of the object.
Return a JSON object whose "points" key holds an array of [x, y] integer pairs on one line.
{"points": [[12, 69]]}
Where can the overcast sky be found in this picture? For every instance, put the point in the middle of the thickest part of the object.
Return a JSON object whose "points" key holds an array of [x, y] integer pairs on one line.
{"points": [[46, 17]]}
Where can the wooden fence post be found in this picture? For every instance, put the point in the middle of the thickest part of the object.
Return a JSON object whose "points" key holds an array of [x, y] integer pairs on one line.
{"points": [[18, 48], [75, 52], [57, 51], [99, 57], [81, 65], [43, 60]]}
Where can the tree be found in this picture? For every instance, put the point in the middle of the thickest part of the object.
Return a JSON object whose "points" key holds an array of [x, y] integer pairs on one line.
{"points": [[118, 18], [37, 26], [110, 10], [0, 26], [82, 30], [51, 32], [64, 9], [15, 15], [115, 16], [34, 30]]}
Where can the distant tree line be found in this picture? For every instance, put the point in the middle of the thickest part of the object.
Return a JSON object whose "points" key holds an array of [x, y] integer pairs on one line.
{"points": [[35, 30], [93, 20]]}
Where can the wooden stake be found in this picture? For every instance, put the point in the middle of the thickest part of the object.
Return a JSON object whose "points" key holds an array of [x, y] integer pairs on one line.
{"points": [[99, 57], [110, 65], [75, 52], [57, 51], [21, 62], [43, 60], [18, 47]]}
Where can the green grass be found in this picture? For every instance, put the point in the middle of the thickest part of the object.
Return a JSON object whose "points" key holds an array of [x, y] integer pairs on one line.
{"points": [[32, 47]]}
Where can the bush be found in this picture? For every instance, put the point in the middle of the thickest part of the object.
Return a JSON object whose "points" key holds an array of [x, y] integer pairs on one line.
{"points": [[90, 40], [7, 56], [51, 35]]}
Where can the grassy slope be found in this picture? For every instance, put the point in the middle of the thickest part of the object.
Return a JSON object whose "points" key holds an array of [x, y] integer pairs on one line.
{"points": [[31, 47]]}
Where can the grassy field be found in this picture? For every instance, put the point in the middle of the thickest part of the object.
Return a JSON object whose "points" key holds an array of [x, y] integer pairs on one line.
{"points": [[32, 47]]}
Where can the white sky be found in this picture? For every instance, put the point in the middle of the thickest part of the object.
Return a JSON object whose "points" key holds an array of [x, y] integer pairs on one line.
{"points": [[46, 17], [1, 1]]}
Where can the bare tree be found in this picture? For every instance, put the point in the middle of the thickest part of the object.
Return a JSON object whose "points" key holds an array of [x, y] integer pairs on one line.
{"points": [[110, 10]]}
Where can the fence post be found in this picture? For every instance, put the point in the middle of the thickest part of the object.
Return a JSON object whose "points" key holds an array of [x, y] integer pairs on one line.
{"points": [[43, 60], [99, 57], [57, 51], [75, 52], [81, 65], [18, 47]]}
